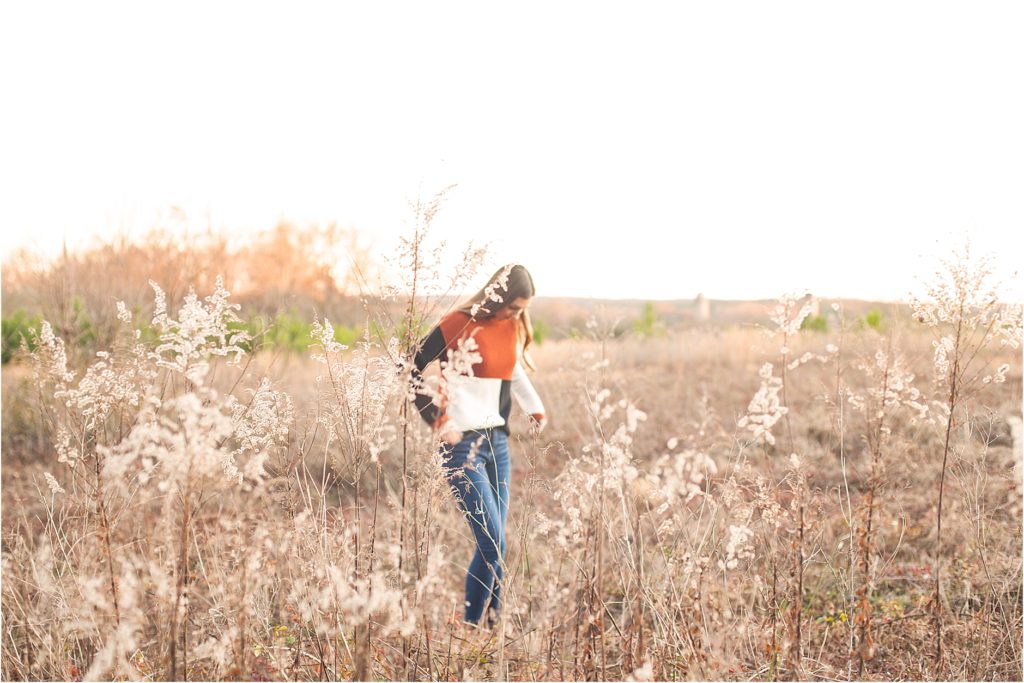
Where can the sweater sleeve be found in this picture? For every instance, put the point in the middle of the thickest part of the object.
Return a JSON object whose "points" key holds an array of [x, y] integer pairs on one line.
{"points": [[524, 393], [431, 348]]}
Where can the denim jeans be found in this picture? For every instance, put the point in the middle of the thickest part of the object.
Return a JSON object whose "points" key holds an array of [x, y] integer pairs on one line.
{"points": [[478, 470]]}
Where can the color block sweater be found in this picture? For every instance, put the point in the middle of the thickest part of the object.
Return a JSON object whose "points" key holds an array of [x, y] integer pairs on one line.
{"points": [[482, 400]]}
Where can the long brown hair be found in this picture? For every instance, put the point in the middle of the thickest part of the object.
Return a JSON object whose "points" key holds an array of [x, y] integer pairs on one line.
{"points": [[509, 283]]}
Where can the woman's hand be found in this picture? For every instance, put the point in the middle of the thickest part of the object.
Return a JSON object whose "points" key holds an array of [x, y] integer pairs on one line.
{"points": [[537, 424], [450, 436]]}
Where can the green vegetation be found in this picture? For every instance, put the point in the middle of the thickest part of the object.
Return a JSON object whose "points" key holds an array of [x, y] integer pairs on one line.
{"points": [[17, 328], [291, 332], [287, 331], [541, 331], [648, 325], [815, 323], [86, 336], [873, 319]]}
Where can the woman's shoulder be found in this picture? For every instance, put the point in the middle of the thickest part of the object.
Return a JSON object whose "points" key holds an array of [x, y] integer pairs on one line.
{"points": [[453, 324], [455, 317]]}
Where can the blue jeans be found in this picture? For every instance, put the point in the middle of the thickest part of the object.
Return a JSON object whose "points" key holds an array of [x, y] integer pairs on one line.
{"points": [[478, 470]]}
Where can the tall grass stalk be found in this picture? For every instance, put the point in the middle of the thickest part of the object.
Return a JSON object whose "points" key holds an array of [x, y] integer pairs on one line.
{"points": [[961, 304]]}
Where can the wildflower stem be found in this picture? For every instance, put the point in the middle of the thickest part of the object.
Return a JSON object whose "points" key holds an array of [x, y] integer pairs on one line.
{"points": [[876, 435], [773, 656], [105, 528], [180, 586], [798, 603], [954, 376]]}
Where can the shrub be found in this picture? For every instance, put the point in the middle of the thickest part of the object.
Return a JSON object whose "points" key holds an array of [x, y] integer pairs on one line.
{"points": [[873, 319], [815, 323], [18, 329], [541, 331], [648, 325]]}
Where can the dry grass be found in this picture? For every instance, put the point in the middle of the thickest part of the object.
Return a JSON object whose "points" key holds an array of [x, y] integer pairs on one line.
{"points": [[563, 621], [690, 513]]}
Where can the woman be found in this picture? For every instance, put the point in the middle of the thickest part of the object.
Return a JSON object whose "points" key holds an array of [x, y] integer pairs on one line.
{"points": [[469, 415]]}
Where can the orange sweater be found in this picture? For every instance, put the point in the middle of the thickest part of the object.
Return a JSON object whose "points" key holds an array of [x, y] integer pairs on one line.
{"points": [[482, 399]]}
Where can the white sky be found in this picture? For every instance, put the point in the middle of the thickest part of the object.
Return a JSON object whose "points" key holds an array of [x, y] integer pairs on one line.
{"points": [[742, 150]]}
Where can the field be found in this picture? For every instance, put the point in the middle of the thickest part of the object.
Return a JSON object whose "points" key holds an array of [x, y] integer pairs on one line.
{"points": [[735, 502]]}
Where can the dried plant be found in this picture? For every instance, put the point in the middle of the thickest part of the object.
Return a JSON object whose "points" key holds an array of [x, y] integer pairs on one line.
{"points": [[714, 504], [961, 305]]}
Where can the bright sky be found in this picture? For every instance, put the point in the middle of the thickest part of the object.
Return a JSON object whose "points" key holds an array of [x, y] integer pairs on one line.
{"points": [[633, 150]]}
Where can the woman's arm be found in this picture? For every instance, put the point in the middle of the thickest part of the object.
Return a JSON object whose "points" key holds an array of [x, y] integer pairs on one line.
{"points": [[430, 349], [527, 397]]}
